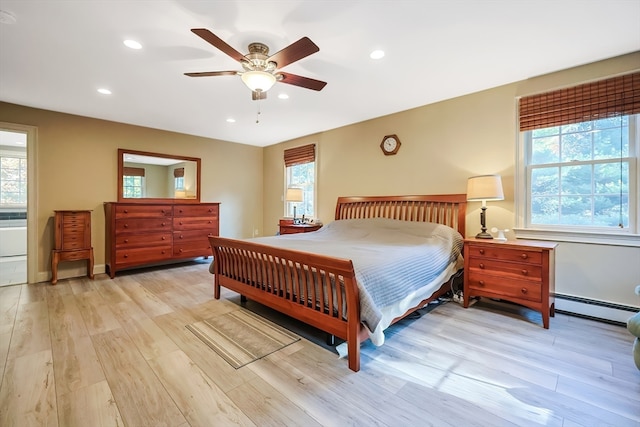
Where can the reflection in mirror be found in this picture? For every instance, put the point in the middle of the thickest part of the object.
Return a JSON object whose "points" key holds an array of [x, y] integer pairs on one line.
{"points": [[143, 175]]}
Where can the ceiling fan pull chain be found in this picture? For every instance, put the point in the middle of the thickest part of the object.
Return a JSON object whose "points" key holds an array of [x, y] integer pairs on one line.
{"points": [[258, 115]]}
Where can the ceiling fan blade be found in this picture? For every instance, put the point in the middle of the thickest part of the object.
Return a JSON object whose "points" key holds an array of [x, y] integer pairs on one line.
{"points": [[212, 73], [294, 52], [304, 82], [217, 42], [255, 95]]}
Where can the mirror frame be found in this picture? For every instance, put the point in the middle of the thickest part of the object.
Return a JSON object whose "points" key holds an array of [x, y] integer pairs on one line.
{"points": [[122, 152]]}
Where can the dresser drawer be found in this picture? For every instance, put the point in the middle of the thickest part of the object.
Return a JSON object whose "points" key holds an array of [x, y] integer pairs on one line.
{"points": [[143, 255], [513, 269], [496, 251], [504, 288], [196, 210], [143, 211], [132, 225], [207, 224], [75, 218], [73, 239], [124, 241], [192, 248]]}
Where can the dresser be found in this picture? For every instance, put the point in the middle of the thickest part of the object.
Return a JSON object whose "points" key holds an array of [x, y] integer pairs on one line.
{"points": [[287, 226], [139, 234], [72, 237], [520, 271]]}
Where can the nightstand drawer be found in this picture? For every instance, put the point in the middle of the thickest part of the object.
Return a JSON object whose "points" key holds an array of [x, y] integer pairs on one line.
{"points": [[508, 289], [513, 269], [496, 251]]}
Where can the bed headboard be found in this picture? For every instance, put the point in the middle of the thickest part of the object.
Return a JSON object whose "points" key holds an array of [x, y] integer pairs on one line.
{"points": [[447, 209]]}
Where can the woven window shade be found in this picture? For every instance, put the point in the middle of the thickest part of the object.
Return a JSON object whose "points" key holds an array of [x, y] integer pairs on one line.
{"points": [[617, 96], [178, 172], [300, 155], [128, 171]]}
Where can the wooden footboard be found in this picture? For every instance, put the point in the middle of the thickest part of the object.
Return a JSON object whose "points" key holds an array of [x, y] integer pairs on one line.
{"points": [[318, 290]]}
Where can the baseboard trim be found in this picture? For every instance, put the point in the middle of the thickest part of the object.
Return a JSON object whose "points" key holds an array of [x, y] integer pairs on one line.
{"points": [[588, 308]]}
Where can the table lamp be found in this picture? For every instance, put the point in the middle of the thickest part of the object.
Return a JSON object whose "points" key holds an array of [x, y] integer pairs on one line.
{"points": [[294, 195], [483, 188]]}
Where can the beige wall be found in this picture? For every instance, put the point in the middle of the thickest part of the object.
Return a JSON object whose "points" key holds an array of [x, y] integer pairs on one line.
{"points": [[77, 169], [442, 145]]}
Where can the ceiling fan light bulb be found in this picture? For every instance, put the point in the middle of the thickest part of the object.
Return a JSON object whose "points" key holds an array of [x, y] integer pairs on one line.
{"points": [[258, 80]]}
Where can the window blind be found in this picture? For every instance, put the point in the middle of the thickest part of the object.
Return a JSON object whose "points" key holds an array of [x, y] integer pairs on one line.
{"points": [[129, 171], [300, 155], [178, 172], [617, 96]]}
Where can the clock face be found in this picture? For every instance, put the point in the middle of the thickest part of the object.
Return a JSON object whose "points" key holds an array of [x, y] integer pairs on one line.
{"points": [[390, 144]]}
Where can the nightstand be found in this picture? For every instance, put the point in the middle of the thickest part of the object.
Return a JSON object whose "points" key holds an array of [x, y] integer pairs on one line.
{"points": [[288, 227], [520, 271]]}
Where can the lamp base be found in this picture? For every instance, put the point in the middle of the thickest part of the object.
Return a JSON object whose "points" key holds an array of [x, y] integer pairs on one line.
{"points": [[484, 235]]}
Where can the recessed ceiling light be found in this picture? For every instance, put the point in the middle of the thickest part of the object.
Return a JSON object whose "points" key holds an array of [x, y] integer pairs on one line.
{"points": [[376, 54], [231, 120], [283, 96], [104, 91], [132, 44]]}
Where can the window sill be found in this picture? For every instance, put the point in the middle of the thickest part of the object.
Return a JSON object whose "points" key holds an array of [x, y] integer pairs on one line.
{"points": [[612, 239]]}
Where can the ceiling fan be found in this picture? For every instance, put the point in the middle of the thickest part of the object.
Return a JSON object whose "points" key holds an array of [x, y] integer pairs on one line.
{"points": [[262, 71]]}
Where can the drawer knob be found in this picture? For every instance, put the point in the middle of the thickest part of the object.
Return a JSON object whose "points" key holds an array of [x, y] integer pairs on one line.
{"points": [[481, 251], [164, 238], [180, 222], [163, 224], [126, 226], [126, 211], [162, 252], [481, 282], [126, 256], [481, 265], [210, 210], [180, 210], [210, 222], [524, 256], [181, 236], [180, 250], [524, 290], [525, 272], [126, 240]]}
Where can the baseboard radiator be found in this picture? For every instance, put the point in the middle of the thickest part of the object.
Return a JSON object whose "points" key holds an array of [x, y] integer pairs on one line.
{"points": [[603, 311]]}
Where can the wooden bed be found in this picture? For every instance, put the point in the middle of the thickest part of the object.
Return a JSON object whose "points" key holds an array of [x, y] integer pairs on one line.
{"points": [[317, 289]]}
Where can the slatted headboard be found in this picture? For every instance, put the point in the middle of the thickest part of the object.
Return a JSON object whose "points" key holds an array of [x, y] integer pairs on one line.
{"points": [[447, 209]]}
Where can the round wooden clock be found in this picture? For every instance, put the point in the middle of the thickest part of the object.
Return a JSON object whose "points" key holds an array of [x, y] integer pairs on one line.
{"points": [[390, 145]]}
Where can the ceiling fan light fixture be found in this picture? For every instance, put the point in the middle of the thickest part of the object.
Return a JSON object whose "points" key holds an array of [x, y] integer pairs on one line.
{"points": [[258, 80]]}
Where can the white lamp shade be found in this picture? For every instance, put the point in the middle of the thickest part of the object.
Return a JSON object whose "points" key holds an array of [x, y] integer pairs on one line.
{"points": [[258, 80], [485, 187], [294, 195]]}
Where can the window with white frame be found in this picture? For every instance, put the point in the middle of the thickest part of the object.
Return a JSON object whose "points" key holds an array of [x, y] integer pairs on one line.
{"points": [[13, 180], [300, 172], [133, 186], [577, 168]]}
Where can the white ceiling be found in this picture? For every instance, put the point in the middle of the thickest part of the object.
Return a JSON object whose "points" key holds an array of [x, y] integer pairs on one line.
{"points": [[57, 53]]}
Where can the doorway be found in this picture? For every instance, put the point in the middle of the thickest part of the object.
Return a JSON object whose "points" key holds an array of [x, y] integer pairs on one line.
{"points": [[14, 204]]}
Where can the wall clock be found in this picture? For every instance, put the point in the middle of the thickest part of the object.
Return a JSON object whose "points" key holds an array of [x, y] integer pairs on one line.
{"points": [[390, 144]]}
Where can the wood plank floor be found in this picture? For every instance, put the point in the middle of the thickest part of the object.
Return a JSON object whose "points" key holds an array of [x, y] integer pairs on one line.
{"points": [[117, 353]]}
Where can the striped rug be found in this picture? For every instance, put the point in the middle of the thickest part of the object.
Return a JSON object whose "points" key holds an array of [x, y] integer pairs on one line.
{"points": [[241, 337]]}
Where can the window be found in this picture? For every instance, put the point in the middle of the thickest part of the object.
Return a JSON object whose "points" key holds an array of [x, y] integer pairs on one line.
{"points": [[13, 180], [300, 172], [178, 179], [133, 183], [578, 162]]}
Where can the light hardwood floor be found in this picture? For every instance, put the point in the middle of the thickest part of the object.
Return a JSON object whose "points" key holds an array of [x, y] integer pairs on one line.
{"points": [[117, 353]]}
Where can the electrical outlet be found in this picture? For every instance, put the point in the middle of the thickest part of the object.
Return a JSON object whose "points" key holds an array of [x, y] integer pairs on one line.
{"points": [[256, 232]]}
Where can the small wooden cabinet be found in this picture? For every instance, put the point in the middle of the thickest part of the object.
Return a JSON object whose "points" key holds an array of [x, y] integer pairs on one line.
{"points": [[139, 234], [520, 271], [72, 231], [288, 227]]}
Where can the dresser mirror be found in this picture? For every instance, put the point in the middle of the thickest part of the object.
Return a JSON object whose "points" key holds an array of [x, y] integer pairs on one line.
{"points": [[151, 177]]}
